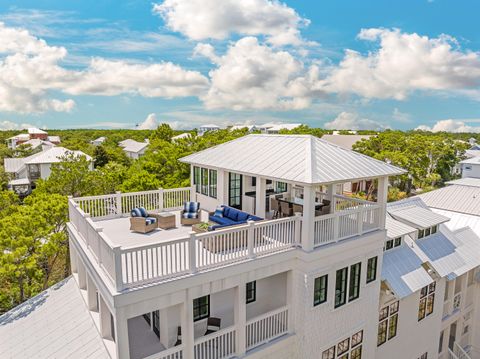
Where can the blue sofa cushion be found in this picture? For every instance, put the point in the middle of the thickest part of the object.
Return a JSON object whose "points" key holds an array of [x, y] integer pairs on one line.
{"points": [[191, 207], [242, 216], [143, 211], [231, 216], [190, 215], [150, 220], [219, 212], [136, 212]]}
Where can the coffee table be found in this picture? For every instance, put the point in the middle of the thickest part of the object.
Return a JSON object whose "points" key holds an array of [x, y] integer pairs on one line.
{"points": [[166, 220]]}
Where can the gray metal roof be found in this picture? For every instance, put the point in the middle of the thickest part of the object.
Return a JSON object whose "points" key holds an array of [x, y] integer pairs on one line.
{"points": [[417, 217], [460, 220], [54, 324], [13, 165], [292, 158], [402, 269], [132, 145], [471, 161], [345, 141], [53, 155], [467, 181], [397, 229], [464, 199]]}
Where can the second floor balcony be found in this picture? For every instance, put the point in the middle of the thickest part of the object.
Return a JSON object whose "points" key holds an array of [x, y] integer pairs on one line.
{"points": [[101, 227]]}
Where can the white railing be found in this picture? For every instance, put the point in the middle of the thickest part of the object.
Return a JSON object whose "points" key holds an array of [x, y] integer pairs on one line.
{"points": [[172, 353], [342, 203], [457, 352], [276, 235], [446, 308], [217, 345], [119, 204], [266, 327], [351, 222], [457, 301]]}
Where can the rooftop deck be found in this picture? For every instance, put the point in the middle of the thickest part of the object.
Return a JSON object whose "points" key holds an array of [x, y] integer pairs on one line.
{"points": [[130, 259]]}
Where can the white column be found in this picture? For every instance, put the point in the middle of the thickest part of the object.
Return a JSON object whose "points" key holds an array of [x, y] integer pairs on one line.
{"points": [[105, 330], [260, 197], [290, 302], [240, 315], [330, 197], [73, 258], [121, 335], [382, 193], [91, 295], [164, 327], [308, 218], [82, 276], [188, 330], [221, 188]]}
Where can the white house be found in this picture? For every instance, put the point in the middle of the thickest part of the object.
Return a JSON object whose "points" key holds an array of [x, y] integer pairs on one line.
{"points": [[470, 167], [333, 277], [32, 134], [25, 171], [98, 141], [205, 128], [181, 136], [276, 127], [134, 149]]}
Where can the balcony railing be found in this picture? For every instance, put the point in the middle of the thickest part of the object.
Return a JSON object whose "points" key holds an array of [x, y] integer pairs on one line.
{"points": [[457, 352], [139, 264], [172, 353], [219, 345], [266, 327]]}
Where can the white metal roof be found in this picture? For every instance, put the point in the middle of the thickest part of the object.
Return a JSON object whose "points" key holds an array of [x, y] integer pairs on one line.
{"points": [[417, 216], [280, 126], [293, 158], [18, 182], [54, 324], [182, 135], [36, 131], [460, 220], [471, 161], [53, 155], [472, 153], [13, 165], [132, 145], [464, 199], [402, 269], [466, 181], [397, 229], [345, 141], [54, 138], [209, 126]]}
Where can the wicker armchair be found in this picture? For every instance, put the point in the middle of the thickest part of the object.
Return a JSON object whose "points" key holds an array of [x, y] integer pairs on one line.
{"points": [[143, 224], [190, 214]]}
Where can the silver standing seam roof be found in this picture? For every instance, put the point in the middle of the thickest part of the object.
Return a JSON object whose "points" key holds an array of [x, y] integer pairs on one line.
{"points": [[345, 141], [418, 217], [54, 324], [466, 181], [397, 229], [456, 198], [292, 158]]}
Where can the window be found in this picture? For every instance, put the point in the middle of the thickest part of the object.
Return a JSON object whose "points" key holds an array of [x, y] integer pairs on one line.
{"points": [[281, 187], [389, 244], [440, 342], [388, 323], [320, 290], [427, 301], [212, 190], [347, 348], [427, 231], [468, 168], [205, 181], [197, 179], [421, 233], [201, 308], [372, 269], [251, 291], [423, 356], [341, 287], [235, 190], [397, 241], [354, 290], [434, 229]]}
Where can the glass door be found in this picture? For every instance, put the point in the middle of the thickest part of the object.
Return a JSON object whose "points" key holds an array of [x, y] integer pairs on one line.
{"points": [[453, 335], [156, 322], [235, 190]]}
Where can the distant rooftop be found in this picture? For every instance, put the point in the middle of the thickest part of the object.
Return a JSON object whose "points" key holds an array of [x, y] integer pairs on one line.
{"points": [[467, 181], [53, 155], [294, 158], [456, 198], [36, 131], [418, 217], [345, 141], [132, 145]]}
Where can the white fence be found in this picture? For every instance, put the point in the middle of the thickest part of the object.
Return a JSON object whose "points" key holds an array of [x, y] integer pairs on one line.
{"points": [[267, 327], [218, 345], [172, 353], [457, 352], [350, 222]]}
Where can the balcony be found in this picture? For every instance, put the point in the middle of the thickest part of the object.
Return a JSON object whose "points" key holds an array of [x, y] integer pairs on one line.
{"points": [[457, 352], [101, 228]]}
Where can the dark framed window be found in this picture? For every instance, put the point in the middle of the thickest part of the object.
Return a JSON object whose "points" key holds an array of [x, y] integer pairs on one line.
{"points": [[341, 287], [320, 290], [357, 339], [356, 353], [382, 332], [397, 241], [156, 322], [329, 353], [372, 269], [430, 304], [354, 290], [421, 233], [281, 187], [212, 190], [389, 244], [205, 181], [421, 308], [343, 346], [388, 323], [201, 308], [197, 181], [423, 356], [427, 301], [434, 229], [235, 190], [392, 326], [251, 292], [427, 232]]}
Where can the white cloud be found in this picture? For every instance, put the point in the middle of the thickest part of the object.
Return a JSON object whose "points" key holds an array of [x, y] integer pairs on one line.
{"points": [[9, 125], [30, 71], [254, 76], [450, 126], [212, 19], [352, 121], [404, 63], [400, 116], [150, 123]]}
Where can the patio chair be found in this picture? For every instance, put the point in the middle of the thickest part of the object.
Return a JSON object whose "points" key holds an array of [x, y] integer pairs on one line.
{"points": [[142, 221], [286, 210], [297, 208], [179, 336], [213, 325], [190, 213], [275, 207]]}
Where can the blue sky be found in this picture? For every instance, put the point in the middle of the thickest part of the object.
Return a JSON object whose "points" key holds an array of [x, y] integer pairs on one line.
{"points": [[334, 64]]}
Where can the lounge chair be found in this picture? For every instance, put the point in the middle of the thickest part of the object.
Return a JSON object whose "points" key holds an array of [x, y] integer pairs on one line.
{"points": [[190, 213], [142, 221], [213, 325]]}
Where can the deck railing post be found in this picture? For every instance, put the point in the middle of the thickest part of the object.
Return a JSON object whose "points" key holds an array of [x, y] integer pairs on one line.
{"points": [[117, 267], [160, 199], [118, 197], [360, 220], [192, 193], [192, 252], [251, 239], [336, 224], [99, 230], [298, 226]]}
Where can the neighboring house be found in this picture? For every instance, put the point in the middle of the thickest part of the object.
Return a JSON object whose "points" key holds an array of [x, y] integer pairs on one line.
{"points": [[134, 149], [250, 128], [275, 128], [347, 142], [470, 167], [340, 279], [181, 136], [205, 128], [33, 134], [25, 171], [98, 141]]}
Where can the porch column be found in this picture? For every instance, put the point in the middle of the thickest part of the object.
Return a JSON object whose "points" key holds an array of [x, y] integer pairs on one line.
{"points": [[188, 330], [121, 335], [308, 218], [164, 327], [330, 197], [240, 316], [82, 276], [382, 193], [260, 197], [290, 302], [91, 295], [105, 325]]}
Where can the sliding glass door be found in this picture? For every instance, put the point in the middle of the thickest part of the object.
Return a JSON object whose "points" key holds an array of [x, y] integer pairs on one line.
{"points": [[235, 190]]}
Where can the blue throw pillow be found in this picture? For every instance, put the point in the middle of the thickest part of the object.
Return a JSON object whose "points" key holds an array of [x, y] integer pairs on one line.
{"points": [[143, 211], [136, 213], [218, 212]]}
